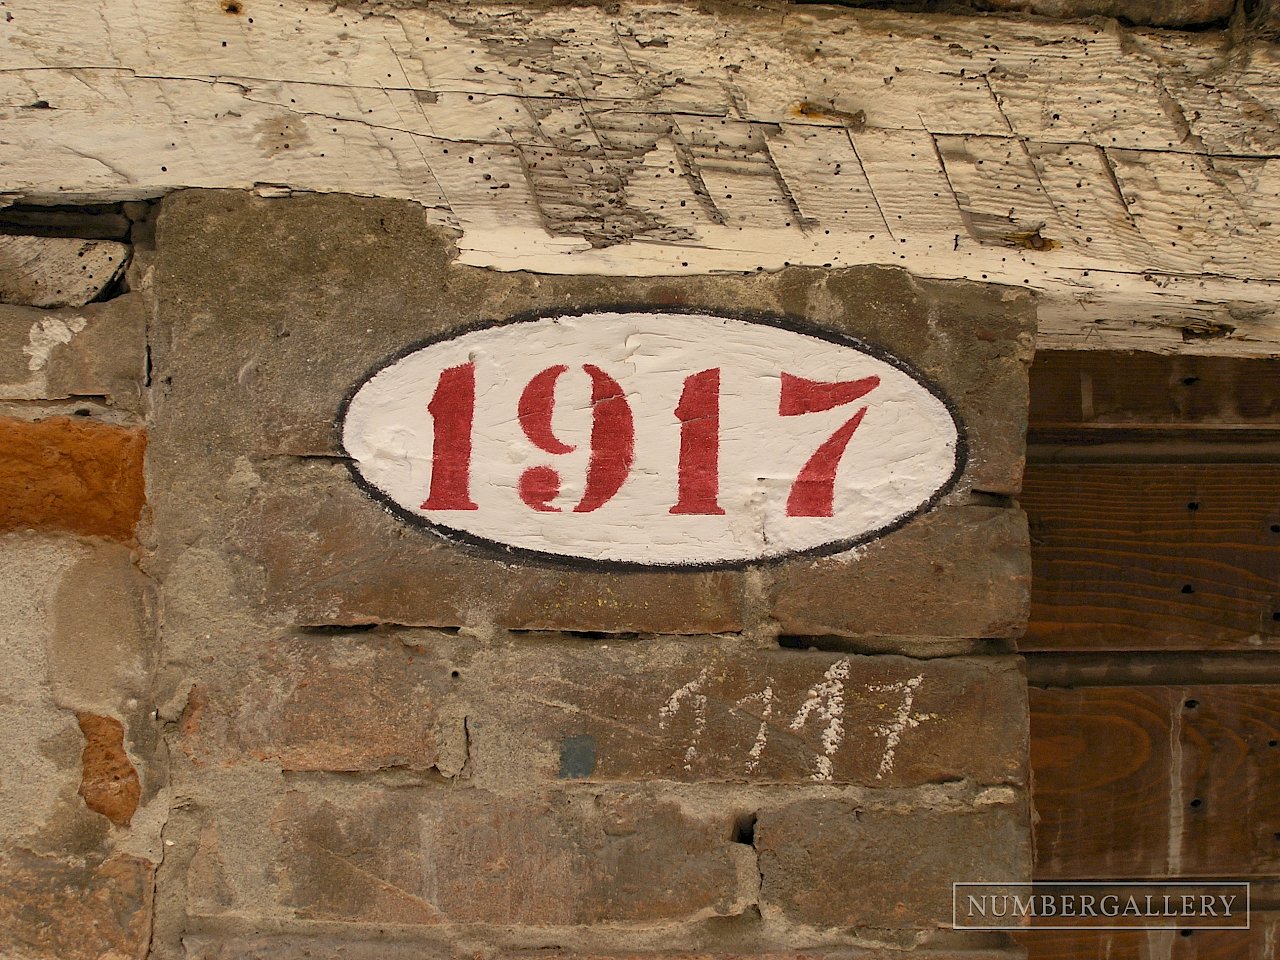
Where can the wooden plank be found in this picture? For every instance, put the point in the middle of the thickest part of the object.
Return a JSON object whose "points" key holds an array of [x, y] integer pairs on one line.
{"points": [[1078, 390], [107, 222], [1133, 783], [1142, 556], [1104, 669], [57, 271], [1256, 943], [1116, 170]]}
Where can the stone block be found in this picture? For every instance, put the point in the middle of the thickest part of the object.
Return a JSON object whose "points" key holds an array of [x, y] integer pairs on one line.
{"points": [[245, 458], [330, 555], [302, 947], [699, 711], [957, 572], [837, 863], [713, 711], [326, 703], [97, 351], [426, 856]]}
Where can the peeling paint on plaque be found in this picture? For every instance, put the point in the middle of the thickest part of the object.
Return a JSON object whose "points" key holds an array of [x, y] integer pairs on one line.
{"points": [[637, 438]]}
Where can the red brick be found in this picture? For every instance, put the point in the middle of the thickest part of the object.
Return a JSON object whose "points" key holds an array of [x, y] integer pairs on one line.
{"points": [[109, 782], [840, 863], [69, 909], [64, 474]]}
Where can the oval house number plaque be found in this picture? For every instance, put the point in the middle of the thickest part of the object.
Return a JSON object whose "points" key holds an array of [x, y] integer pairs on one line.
{"points": [[653, 439]]}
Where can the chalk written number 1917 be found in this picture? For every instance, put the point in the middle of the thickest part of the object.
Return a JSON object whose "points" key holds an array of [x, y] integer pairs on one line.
{"points": [[612, 442]]}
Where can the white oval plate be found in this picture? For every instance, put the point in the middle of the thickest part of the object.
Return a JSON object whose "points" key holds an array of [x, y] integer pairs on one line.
{"points": [[641, 438]]}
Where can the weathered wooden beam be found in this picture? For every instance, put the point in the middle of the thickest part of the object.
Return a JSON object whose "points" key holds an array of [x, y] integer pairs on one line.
{"points": [[57, 271], [1130, 176]]}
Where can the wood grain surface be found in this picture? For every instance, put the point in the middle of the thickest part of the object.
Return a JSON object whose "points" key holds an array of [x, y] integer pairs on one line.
{"points": [[1133, 783], [1116, 170], [1256, 943], [1099, 393], [1141, 556]]}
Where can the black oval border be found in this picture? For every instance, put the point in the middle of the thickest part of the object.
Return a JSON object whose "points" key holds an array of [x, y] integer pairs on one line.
{"points": [[488, 548]]}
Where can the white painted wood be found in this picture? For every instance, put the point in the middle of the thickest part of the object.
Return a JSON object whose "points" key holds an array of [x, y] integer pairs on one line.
{"points": [[903, 450], [1129, 176], [57, 272]]}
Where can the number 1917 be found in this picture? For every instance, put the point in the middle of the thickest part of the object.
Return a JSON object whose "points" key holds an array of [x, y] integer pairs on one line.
{"points": [[612, 441]]}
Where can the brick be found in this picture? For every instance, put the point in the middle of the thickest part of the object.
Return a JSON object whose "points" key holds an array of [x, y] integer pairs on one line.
{"points": [[96, 351], [53, 908], [331, 556], [957, 572], [839, 863], [303, 703], [712, 711], [439, 854], [109, 783], [69, 475]]}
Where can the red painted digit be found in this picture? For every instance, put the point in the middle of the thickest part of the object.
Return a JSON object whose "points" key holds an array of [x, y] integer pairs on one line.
{"points": [[538, 486], [813, 493], [699, 468], [452, 408], [535, 407], [612, 440]]}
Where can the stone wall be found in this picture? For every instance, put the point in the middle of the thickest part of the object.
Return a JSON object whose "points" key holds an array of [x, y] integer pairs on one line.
{"points": [[257, 715], [83, 799]]}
